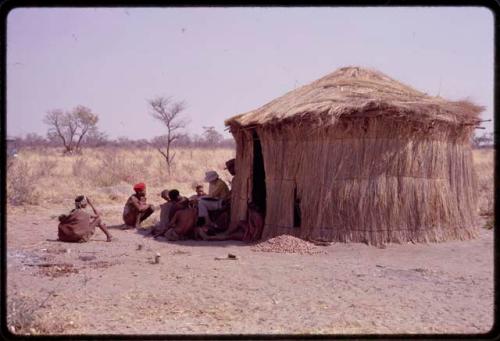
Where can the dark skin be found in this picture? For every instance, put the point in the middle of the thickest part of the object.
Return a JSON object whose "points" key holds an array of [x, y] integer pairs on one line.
{"points": [[141, 194], [100, 224]]}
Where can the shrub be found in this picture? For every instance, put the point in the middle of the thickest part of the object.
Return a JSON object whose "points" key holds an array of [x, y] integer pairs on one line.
{"points": [[21, 184], [24, 317], [45, 167], [80, 167]]}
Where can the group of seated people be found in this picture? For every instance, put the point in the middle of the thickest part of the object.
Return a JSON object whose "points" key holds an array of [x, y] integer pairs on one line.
{"points": [[201, 216]]}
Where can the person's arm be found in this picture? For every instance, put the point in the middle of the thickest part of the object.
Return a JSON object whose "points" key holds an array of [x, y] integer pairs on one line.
{"points": [[93, 208], [140, 206], [217, 192], [173, 221], [102, 226]]}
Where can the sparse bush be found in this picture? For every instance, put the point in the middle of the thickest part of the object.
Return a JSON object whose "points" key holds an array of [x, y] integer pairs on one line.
{"points": [[21, 184], [45, 167], [80, 167], [484, 164], [24, 318]]}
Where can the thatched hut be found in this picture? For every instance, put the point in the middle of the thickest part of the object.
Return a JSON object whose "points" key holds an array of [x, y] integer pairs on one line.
{"points": [[358, 156]]}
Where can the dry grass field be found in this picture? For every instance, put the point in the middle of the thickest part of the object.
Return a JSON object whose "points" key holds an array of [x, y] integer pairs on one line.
{"points": [[114, 288], [45, 177], [484, 164]]}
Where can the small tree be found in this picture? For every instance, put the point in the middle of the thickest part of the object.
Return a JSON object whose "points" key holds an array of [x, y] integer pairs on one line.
{"points": [[70, 128], [168, 113], [95, 138], [212, 136], [33, 140]]}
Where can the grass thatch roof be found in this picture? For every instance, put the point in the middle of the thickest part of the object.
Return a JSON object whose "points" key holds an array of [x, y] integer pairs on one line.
{"points": [[355, 91]]}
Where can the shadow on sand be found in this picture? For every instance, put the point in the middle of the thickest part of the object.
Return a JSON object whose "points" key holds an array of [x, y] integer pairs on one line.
{"points": [[146, 232]]}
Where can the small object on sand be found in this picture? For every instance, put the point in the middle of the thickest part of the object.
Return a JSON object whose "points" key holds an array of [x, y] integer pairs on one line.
{"points": [[139, 247], [229, 257], [157, 258]]}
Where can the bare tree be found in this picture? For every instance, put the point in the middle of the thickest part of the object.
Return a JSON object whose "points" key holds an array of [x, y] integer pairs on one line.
{"points": [[169, 113], [70, 127]]}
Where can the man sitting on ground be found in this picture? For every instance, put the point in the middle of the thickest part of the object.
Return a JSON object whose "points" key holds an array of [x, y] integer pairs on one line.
{"points": [[175, 203], [218, 195], [178, 202], [78, 226], [136, 208], [182, 224], [199, 193]]}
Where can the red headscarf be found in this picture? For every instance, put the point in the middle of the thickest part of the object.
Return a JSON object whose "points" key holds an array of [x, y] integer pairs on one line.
{"points": [[141, 186]]}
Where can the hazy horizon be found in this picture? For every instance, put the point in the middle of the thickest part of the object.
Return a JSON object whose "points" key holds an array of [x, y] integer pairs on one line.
{"points": [[226, 61]]}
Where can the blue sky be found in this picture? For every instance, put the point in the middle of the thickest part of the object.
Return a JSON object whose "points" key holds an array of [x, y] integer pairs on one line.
{"points": [[226, 61]]}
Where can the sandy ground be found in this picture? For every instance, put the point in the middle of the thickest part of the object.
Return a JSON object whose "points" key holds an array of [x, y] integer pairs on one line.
{"points": [[114, 288]]}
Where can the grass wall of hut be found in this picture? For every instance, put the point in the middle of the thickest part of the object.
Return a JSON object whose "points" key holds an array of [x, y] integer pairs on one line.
{"points": [[372, 180]]}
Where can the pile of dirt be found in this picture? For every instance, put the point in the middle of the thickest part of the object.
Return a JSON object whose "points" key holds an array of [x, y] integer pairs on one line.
{"points": [[287, 244]]}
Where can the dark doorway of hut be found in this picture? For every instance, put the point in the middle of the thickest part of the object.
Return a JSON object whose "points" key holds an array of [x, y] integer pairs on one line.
{"points": [[259, 175]]}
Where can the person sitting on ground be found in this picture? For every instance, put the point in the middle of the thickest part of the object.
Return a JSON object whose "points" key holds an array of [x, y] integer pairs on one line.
{"points": [[161, 226], [175, 203], [178, 202], [182, 224], [78, 226], [218, 195], [246, 231], [136, 208], [181, 217], [199, 193]]}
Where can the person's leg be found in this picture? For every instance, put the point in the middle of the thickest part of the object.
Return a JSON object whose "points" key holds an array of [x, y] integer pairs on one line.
{"points": [[232, 229], [99, 223], [202, 209], [207, 205], [129, 221], [171, 235]]}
